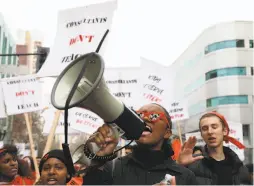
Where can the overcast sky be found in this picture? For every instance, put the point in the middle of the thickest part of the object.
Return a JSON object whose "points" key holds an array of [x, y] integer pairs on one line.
{"points": [[159, 30]]}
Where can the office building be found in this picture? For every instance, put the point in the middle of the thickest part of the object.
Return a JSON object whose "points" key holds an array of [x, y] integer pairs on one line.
{"points": [[216, 73], [8, 64]]}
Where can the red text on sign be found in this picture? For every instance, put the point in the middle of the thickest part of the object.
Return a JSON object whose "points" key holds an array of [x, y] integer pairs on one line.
{"points": [[175, 116], [84, 122], [81, 38], [24, 93], [152, 97]]}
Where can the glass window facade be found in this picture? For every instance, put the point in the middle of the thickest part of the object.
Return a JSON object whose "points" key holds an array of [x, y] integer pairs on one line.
{"points": [[251, 43], [9, 57], [238, 43], [227, 100], [14, 60], [234, 71], [4, 46]]}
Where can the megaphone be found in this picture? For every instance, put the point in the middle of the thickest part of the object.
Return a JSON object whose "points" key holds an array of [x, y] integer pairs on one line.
{"points": [[93, 94]]}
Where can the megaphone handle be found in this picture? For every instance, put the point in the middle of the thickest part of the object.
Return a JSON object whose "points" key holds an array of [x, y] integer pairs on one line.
{"points": [[94, 148]]}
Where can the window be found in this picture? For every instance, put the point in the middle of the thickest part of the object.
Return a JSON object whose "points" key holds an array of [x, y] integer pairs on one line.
{"points": [[251, 71], [238, 43], [226, 100], [251, 43], [234, 71], [14, 60], [8, 75], [4, 49], [246, 130], [2, 75], [246, 133], [9, 57]]}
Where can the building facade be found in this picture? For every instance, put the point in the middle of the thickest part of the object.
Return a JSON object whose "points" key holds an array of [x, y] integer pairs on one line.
{"points": [[8, 64], [32, 40], [216, 73]]}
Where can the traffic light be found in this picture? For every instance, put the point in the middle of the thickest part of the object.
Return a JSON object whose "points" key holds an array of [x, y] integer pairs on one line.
{"points": [[43, 51]]}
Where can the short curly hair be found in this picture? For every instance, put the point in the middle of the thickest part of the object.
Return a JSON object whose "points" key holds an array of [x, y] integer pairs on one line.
{"points": [[8, 149]]}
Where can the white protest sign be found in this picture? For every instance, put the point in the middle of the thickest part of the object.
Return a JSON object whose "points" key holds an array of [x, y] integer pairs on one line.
{"points": [[48, 116], [178, 111], [123, 84], [79, 31], [22, 94], [84, 120], [2, 107], [79, 120], [47, 85], [236, 131], [157, 83], [200, 141]]}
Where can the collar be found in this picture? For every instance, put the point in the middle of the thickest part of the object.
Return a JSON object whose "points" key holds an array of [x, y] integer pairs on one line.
{"points": [[167, 164], [230, 154]]}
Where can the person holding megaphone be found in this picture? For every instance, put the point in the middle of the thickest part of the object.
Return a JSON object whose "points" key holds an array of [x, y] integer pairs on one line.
{"points": [[150, 160]]}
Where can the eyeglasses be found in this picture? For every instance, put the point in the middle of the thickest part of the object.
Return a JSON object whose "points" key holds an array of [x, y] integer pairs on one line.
{"points": [[152, 117]]}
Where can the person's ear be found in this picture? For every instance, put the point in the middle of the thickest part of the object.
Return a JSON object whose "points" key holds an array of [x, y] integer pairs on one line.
{"points": [[225, 131], [167, 134]]}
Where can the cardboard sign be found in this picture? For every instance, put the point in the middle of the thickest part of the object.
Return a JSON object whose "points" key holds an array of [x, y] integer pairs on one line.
{"points": [[156, 83], [22, 94], [178, 111], [79, 31], [79, 120], [124, 85], [2, 107], [48, 117], [236, 131]]}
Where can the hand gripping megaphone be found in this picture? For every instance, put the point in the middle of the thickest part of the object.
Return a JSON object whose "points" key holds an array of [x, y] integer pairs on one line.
{"points": [[93, 94]]}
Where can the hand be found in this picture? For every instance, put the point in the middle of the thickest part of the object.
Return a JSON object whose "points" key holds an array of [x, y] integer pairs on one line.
{"points": [[105, 139], [185, 156]]}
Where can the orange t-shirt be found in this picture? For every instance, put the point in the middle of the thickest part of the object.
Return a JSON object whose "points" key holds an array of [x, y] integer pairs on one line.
{"points": [[176, 146], [19, 180], [75, 181]]}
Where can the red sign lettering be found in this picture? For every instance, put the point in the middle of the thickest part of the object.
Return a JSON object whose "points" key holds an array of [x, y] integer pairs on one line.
{"points": [[84, 122], [24, 93], [81, 38], [176, 116], [152, 97]]}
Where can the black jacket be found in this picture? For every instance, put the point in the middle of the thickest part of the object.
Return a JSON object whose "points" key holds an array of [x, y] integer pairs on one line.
{"points": [[129, 170], [205, 175]]}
